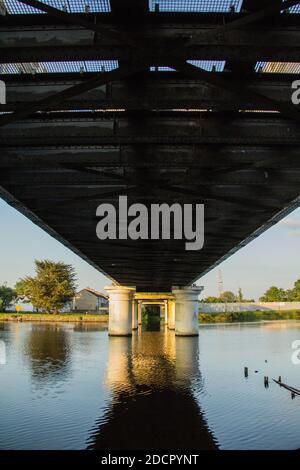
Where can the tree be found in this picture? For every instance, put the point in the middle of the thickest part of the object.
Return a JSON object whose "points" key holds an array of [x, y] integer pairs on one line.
{"points": [[227, 296], [297, 289], [53, 286], [240, 295], [293, 295], [274, 294], [7, 296], [211, 300], [20, 289]]}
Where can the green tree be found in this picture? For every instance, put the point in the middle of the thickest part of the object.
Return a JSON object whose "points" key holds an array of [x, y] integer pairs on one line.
{"points": [[240, 295], [7, 296], [20, 289], [53, 286], [290, 295], [274, 294], [297, 289], [211, 300], [294, 294], [227, 296]]}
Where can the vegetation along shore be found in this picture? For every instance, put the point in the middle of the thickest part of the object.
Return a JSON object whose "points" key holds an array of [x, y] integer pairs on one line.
{"points": [[226, 317]]}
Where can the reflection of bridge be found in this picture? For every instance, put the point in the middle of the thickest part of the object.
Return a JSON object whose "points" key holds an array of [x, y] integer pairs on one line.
{"points": [[152, 377], [226, 135]]}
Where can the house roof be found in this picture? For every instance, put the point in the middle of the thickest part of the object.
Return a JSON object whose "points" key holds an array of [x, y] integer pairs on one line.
{"points": [[93, 291]]}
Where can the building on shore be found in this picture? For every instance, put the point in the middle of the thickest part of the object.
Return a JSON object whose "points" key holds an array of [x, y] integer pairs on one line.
{"points": [[90, 300]]}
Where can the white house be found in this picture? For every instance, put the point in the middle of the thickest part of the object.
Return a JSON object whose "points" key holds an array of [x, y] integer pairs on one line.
{"points": [[90, 300]]}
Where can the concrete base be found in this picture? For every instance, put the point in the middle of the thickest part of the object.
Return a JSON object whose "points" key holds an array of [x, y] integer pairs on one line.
{"points": [[134, 315], [186, 310], [171, 315], [139, 309], [120, 310], [166, 311]]}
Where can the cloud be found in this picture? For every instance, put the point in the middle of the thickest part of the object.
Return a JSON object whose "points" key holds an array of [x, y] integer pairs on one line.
{"points": [[290, 222], [294, 233]]}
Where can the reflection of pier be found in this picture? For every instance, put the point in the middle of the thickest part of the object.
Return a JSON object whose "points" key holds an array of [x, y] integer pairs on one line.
{"points": [[151, 376]]}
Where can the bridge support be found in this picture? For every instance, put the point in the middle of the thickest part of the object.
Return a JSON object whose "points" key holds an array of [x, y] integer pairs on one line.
{"points": [[166, 311], [120, 310], [139, 312], [171, 314], [186, 310], [134, 315]]}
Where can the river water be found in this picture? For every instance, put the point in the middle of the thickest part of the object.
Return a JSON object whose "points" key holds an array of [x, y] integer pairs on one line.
{"points": [[70, 386]]}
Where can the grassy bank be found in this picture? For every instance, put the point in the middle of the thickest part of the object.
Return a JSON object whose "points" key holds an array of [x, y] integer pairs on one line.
{"points": [[251, 315], [227, 317], [63, 317]]}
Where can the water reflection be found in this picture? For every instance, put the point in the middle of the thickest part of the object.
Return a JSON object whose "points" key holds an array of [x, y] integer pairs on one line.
{"points": [[88, 327], [48, 351], [70, 386], [151, 377]]}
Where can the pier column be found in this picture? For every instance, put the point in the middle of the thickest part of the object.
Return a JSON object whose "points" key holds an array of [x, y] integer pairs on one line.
{"points": [[166, 311], [139, 310], [171, 315], [120, 310], [186, 310], [134, 314]]}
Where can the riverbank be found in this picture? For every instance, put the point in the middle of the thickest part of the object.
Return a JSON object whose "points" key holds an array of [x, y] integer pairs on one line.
{"points": [[248, 316], [226, 317], [62, 317]]}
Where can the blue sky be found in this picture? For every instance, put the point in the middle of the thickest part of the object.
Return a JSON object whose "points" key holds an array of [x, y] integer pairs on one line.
{"points": [[271, 259]]}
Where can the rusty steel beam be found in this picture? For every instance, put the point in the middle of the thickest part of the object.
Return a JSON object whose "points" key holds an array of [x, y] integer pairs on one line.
{"points": [[70, 92], [79, 20]]}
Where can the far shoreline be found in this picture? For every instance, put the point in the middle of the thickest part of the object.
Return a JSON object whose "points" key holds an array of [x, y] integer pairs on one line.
{"points": [[228, 318], [53, 317]]}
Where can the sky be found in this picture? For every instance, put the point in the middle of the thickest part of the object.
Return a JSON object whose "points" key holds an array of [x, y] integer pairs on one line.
{"points": [[271, 259]]}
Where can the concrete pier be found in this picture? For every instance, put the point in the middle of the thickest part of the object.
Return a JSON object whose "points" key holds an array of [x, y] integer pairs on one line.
{"points": [[186, 310], [139, 307], [171, 315], [179, 309], [166, 311], [134, 314], [120, 310]]}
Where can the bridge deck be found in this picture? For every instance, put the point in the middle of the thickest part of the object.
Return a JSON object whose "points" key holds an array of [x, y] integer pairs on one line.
{"points": [[220, 130]]}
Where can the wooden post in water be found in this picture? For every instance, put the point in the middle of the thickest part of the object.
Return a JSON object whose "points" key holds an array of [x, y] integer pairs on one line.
{"points": [[266, 381], [246, 371]]}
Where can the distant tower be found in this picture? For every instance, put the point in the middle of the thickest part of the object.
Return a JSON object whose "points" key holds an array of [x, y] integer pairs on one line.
{"points": [[220, 283]]}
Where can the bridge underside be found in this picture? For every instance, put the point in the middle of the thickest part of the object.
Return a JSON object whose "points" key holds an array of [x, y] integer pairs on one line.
{"points": [[228, 139]]}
